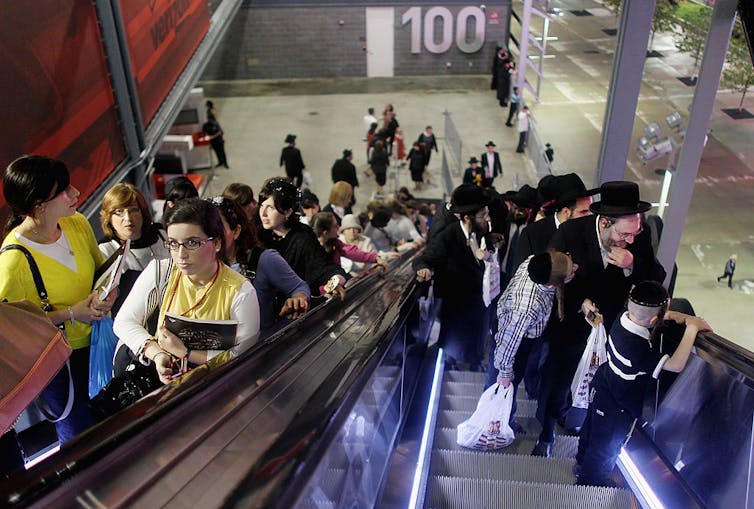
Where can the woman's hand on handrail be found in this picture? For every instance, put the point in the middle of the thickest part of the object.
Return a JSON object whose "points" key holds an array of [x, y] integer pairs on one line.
{"points": [[295, 306]]}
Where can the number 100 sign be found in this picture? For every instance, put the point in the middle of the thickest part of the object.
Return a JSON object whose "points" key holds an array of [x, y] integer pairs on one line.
{"points": [[414, 16]]}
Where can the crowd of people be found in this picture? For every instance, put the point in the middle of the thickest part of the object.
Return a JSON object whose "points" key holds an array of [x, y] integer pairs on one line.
{"points": [[530, 273], [256, 262]]}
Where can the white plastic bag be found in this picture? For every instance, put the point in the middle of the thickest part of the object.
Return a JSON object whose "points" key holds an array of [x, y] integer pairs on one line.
{"points": [[491, 279], [488, 427], [595, 354]]}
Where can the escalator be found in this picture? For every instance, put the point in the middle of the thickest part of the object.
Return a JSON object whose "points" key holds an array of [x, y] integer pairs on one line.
{"points": [[350, 407]]}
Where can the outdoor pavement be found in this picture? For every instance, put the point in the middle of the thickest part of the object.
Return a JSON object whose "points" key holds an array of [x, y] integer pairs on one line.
{"points": [[326, 114]]}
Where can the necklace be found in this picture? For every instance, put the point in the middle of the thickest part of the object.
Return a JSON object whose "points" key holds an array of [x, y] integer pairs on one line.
{"points": [[63, 242]]}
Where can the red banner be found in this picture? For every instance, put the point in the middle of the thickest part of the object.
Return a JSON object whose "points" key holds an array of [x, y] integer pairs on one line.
{"points": [[162, 36], [55, 91]]}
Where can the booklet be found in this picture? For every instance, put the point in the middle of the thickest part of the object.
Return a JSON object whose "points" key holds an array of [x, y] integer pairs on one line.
{"points": [[110, 279], [203, 334]]}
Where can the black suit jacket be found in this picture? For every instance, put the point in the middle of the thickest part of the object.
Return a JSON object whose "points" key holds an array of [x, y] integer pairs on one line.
{"points": [[457, 272], [344, 170], [497, 168], [607, 287], [294, 163], [534, 239]]}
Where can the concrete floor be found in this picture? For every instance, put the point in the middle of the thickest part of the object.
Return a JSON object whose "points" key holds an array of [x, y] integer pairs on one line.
{"points": [[327, 117]]}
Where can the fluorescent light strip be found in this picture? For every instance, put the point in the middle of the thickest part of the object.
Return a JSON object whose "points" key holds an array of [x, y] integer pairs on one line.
{"points": [[42, 457], [425, 434], [638, 481]]}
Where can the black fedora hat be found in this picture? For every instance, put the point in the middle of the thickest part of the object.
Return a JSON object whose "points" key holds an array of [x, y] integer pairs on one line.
{"points": [[619, 198], [490, 144], [526, 197], [473, 160], [547, 190], [347, 152], [291, 138], [570, 187], [468, 198]]}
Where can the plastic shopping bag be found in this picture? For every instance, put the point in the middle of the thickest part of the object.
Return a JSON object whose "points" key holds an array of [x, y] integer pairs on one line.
{"points": [[491, 280], [488, 427], [595, 354], [101, 355]]}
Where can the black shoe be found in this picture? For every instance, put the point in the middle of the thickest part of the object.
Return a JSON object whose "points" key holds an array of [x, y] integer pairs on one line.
{"points": [[520, 151], [509, 124], [543, 449], [574, 432], [516, 427]]}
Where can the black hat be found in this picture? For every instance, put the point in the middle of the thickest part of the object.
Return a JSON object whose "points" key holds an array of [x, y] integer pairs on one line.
{"points": [[619, 198], [291, 138], [570, 187], [490, 144], [547, 190], [526, 197], [473, 160], [468, 198], [649, 294], [347, 152], [540, 268]]}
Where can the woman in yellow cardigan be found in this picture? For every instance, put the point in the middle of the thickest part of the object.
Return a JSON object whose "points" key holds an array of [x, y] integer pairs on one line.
{"points": [[61, 241]]}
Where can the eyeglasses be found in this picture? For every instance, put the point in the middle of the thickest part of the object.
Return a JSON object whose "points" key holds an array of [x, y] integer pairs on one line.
{"points": [[626, 236], [122, 212], [190, 244]]}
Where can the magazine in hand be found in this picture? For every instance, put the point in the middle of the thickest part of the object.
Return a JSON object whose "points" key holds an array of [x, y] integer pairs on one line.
{"points": [[199, 334], [110, 279]]}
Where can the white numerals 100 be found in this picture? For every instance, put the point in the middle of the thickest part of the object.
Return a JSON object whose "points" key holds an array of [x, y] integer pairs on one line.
{"points": [[414, 16]]}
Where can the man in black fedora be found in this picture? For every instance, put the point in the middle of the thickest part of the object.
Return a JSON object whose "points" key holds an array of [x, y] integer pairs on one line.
{"points": [[344, 170], [473, 174], [294, 163], [613, 253], [491, 166], [454, 259]]}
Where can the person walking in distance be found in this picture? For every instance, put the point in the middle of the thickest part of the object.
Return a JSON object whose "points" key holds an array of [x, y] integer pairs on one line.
{"points": [[513, 110], [215, 133], [523, 128], [730, 268], [294, 163]]}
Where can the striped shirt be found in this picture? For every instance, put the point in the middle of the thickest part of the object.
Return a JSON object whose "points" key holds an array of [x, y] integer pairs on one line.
{"points": [[522, 310]]}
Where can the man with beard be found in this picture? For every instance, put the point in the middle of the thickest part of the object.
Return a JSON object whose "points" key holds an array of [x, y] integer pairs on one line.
{"points": [[613, 253], [521, 207], [455, 257]]}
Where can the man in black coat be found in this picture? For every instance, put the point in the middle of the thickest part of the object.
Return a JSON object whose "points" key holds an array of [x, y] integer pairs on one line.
{"points": [[613, 253], [344, 170], [491, 166], [454, 259], [473, 174], [294, 163]]}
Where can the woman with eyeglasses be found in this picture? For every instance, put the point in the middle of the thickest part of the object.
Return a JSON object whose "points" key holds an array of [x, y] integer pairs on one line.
{"points": [[125, 215], [279, 205], [196, 284], [62, 244], [279, 290]]}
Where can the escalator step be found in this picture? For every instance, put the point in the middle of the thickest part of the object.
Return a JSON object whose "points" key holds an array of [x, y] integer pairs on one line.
{"points": [[564, 446], [465, 376], [461, 493], [451, 419], [525, 407], [511, 467], [473, 389]]}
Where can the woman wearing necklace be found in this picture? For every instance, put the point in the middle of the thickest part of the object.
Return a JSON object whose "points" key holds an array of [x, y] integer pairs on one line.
{"points": [[196, 284], [125, 215], [279, 205], [279, 290], [62, 243]]}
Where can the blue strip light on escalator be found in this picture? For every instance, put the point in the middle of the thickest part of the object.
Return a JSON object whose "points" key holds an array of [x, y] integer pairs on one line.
{"points": [[637, 481], [419, 473]]}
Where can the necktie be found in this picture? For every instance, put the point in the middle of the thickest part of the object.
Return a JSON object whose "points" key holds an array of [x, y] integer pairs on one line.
{"points": [[512, 251]]}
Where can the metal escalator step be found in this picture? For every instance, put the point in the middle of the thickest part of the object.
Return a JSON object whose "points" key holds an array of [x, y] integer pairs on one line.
{"points": [[451, 419], [564, 446], [525, 408], [389, 371], [462, 388], [465, 376], [509, 467], [460, 493]]}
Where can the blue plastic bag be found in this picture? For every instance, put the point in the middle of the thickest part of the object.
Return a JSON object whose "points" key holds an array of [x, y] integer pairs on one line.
{"points": [[101, 355]]}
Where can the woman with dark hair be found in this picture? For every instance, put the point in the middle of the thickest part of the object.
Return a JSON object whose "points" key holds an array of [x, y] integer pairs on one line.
{"points": [[125, 215], [195, 283], [269, 273], [177, 189], [280, 201], [62, 244], [379, 163]]}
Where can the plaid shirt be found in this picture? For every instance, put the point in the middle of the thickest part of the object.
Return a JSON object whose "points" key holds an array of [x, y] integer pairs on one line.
{"points": [[522, 310]]}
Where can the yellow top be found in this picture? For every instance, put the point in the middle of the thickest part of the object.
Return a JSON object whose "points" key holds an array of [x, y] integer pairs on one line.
{"points": [[65, 287], [182, 295]]}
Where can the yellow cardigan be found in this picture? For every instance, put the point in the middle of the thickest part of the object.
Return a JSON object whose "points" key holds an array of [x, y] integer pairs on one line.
{"points": [[64, 286]]}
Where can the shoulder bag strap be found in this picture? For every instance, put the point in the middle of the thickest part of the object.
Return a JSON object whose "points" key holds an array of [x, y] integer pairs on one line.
{"points": [[35, 274]]}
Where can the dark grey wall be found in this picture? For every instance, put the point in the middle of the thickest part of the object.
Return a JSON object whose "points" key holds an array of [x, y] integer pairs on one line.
{"points": [[306, 42]]}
